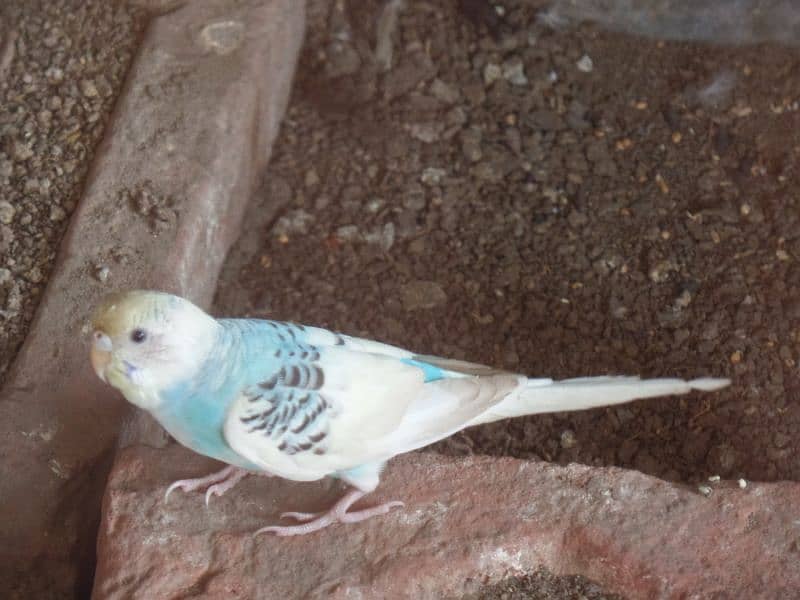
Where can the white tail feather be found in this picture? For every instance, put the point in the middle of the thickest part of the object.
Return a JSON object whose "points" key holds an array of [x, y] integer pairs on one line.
{"points": [[544, 396]]}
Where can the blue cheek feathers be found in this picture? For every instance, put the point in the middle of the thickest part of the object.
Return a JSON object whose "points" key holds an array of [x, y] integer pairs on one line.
{"points": [[130, 371]]}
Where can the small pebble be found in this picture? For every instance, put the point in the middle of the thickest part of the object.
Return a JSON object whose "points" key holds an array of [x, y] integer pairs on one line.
{"points": [[433, 176], [491, 73], [444, 92], [57, 213], [514, 72], [88, 88], [421, 294], [742, 483], [704, 489], [585, 64], [21, 151], [7, 212], [568, 439], [348, 233], [102, 273], [34, 275], [311, 178]]}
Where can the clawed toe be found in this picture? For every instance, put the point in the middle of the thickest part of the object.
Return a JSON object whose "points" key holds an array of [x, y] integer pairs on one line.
{"points": [[214, 490], [311, 522], [184, 485], [300, 516], [216, 484]]}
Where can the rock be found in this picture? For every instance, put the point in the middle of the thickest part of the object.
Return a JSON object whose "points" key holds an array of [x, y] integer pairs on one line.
{"points": [[585, 64], [661, 271], [7, 212], [6, 237], [88, 88], [491, 73], [467, 523], [57, 213], [514, 71], [348, 233], [407, 76], [426, 132], [21, 151], [577, 219], [471, 144], [421, 295], [311, 178], [34, 275], [433, 175], [187, 114], [568, 439], [382, 236], [546, 120], [444, 92], [102, 273], [343, 59], [296, 221]]}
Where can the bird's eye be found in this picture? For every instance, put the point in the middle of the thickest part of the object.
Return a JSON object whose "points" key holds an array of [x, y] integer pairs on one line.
{"points": [[138, 335]]}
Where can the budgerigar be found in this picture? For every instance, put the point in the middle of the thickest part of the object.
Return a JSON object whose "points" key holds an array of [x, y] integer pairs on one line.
{"points": [[305, 403]]}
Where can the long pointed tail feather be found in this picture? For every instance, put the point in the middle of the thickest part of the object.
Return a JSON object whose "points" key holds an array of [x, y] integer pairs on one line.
{"points": [[544, 396]]}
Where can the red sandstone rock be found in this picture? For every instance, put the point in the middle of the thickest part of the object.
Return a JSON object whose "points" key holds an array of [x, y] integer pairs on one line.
{"points": [[163, 201], [466, 523]]}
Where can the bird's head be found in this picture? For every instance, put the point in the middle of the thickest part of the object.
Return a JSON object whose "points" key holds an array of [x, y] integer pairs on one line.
{"points": [[144, 341]]}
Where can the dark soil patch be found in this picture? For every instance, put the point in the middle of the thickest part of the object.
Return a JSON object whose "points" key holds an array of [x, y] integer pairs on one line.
{"points": [[542, 585], [514, 203]]}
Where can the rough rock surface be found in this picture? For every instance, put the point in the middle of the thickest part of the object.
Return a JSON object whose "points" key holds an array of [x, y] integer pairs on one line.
{"points": [[162, 203], [467, 522]]}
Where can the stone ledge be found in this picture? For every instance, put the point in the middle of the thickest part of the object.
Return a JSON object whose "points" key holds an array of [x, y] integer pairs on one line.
{"points": [[163, 201], [467, 522]]}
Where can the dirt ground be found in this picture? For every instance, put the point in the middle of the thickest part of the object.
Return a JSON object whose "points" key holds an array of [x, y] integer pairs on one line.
{"points": [[559, 203], [542, 585]]}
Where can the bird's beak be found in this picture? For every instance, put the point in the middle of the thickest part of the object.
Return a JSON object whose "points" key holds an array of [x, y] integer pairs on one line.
{"points": [[101, 353]]}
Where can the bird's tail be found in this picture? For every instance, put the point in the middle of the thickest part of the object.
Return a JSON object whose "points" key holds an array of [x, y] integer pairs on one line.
{"points": [[545, 395]]}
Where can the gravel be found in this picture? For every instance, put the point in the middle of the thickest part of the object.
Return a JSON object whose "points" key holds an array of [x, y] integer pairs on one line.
{"points": [[62, 64]]}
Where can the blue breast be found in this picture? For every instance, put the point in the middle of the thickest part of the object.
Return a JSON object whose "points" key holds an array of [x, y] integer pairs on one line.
{"points": [[194, 412]]}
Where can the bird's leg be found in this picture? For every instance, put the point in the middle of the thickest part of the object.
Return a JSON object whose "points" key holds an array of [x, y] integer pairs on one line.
{"points": [[337, 514], [216, 484]]}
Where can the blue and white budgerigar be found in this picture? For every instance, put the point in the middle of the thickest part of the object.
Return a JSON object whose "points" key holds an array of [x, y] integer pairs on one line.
{"points": [[305, 403]]}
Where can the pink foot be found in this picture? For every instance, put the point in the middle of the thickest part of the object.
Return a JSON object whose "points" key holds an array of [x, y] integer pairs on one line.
{"points": [[216, 484], [337, 514]]}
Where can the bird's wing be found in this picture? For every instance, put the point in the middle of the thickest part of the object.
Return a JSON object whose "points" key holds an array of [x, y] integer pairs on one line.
{"points": [[336, 402]]}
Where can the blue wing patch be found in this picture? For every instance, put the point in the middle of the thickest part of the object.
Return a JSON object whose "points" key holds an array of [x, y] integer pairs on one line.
{"points": [[432, 372]]}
